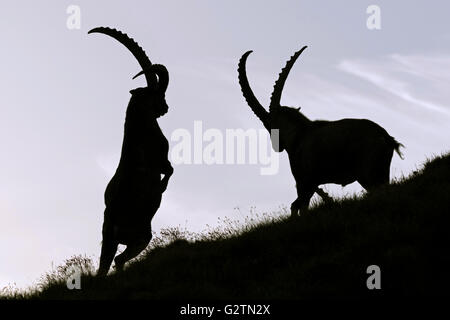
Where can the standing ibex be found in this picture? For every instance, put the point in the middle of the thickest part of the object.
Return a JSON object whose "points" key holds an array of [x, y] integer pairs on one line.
{"points": [[133, 195], [323, 152]]}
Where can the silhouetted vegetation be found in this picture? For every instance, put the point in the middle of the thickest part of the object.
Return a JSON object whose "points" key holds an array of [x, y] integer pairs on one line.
{"points": [[401, 227]]}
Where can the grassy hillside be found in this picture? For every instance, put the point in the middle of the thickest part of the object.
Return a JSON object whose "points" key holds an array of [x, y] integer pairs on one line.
{"points": [[402, 228]]}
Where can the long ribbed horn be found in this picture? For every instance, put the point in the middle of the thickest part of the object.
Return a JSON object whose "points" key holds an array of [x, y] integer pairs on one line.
{"points": [[134, 48], [161, 72], [279, 84], [252, 101]]}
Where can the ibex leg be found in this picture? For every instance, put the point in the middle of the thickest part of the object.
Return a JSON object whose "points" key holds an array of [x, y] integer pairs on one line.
{"points": [[132, 251], [301, 204], [109, 246]]}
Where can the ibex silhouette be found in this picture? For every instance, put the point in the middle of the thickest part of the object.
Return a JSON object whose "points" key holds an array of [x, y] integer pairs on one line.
{"points": [[133, 195], [322, 152]]}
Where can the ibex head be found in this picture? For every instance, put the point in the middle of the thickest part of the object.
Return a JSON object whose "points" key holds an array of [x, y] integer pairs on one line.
{"points": [[285, 119], [156, 75]]}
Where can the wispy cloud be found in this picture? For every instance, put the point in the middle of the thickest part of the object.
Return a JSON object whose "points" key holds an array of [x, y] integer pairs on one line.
{"points": [[406, 76]]}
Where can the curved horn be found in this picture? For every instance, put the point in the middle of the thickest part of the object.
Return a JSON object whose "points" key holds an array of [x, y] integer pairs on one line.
{"points": [[279, 84], [161, 72], [252, 101], [134, 48]]}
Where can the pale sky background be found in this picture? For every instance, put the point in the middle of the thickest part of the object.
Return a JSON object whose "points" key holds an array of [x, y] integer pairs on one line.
{"points": [[64, 96]]}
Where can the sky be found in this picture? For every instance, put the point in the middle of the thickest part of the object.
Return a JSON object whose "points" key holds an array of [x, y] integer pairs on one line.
{"points": [[64, 97]]}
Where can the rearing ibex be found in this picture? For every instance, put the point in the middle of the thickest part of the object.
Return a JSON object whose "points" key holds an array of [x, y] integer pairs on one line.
{"points": [[320, 151], [133, 195]]}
